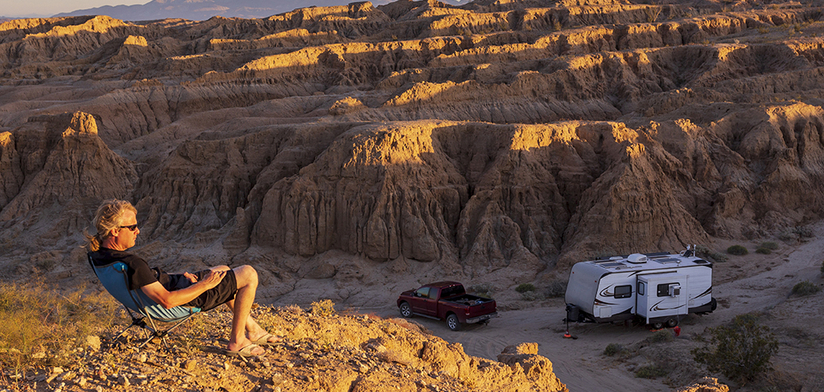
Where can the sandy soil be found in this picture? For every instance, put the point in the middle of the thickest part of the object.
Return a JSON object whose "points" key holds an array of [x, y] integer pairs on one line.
{"points": [[751, 283]]}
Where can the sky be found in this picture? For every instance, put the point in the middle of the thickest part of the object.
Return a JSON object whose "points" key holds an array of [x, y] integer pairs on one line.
{"points": [[39, 8]]}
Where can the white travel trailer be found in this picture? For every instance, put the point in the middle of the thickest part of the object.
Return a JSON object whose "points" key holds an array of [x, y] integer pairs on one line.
{"points": [[659, 288]]}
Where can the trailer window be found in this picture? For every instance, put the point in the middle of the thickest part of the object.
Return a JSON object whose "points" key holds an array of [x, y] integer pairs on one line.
{"points": [[663, 289], [623, 291], [642, 288]]}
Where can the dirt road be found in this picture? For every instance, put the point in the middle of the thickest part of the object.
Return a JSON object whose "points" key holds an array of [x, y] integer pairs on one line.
{"points": [[752, 283]]}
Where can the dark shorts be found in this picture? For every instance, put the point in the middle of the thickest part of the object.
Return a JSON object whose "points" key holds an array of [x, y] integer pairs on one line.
{"points": [[222, 293]]}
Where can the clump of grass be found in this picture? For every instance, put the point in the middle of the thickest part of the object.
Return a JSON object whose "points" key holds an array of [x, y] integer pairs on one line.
{"points": [[651, 372], [481, 290], [803, 232], [661, 336], [524, 287], [614, 349], [797, 233], [769, 245], [737, 250], [39, 326], [531, 296], [805, 288], [740, 350], [323, 308], [557, 288]]}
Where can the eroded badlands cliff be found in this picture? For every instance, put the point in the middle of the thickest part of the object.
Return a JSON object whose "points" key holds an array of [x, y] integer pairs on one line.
{"points": [[495, 142]]}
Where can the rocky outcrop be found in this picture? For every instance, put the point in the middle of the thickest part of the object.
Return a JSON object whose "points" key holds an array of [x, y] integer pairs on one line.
{"points": [[319, 352], [54, 168], [706, 384], [505, 137]]}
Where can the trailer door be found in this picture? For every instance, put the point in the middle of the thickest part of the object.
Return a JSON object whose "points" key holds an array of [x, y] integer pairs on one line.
{"points": [[662, 295]]}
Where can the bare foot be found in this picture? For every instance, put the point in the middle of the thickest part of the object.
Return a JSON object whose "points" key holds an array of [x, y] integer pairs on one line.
{"points": [[265, 338]]}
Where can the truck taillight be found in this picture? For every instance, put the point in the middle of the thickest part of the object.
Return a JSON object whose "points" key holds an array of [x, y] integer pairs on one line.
{"points": [[467, 311]]}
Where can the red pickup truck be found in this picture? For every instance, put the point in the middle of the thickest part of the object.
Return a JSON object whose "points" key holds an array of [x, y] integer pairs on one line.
{"points": [[447, 301]]}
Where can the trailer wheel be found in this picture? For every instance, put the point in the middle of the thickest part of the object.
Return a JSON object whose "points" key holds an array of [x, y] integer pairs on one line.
{"points": [[657, 325], [406, 310], [452, 322], [672, 323]]}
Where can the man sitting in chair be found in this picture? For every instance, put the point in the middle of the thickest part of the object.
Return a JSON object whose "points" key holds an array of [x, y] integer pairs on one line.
{"points": [[116, 225]]}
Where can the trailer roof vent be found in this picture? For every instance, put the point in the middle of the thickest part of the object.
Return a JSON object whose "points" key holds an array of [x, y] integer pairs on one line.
{"points": [[637, 258]]}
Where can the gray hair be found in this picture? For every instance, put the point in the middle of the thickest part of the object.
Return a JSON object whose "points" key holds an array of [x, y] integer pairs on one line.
{"points": [[108, 216]]}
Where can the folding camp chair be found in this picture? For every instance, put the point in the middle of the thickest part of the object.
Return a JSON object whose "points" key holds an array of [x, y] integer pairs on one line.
{"points": [[138, 305]]}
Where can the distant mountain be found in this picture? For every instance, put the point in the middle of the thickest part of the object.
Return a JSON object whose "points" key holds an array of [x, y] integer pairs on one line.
{"points": [[205, 9]]}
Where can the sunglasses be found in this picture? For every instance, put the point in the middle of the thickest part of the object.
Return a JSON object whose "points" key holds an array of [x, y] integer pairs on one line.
{"points": [[130, 227]]}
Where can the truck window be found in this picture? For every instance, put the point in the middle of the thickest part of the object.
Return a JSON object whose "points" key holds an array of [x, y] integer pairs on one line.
{"points": [[623, 291], [452, 291], [423, 292]]}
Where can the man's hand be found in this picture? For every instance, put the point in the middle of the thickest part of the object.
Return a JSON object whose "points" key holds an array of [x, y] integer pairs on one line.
{"points": [[212, 278], [192, 277]]}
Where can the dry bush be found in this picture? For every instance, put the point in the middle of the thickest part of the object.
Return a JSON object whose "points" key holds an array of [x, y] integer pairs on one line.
{"points": [[39, 326], [614, 349], [740, 350], [556, 288], [737, 250], [661, 336], [805, 288], [323, 308]]}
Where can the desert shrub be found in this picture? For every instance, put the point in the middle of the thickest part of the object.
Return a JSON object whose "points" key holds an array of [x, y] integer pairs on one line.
{"points": [[803, 232], [614, 349], [805, 288], [741, 350], [652, 13], [481, 290], [707, 253], [323, 308], [762, 250], [769, 245], [661, 336], [650, 371], [737, 250], [556, 288], [787, 236], [531, 296], [42, 326], [524, 287]]}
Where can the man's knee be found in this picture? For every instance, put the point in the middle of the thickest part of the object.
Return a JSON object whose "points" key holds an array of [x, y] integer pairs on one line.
{"points": [[246, 275]]}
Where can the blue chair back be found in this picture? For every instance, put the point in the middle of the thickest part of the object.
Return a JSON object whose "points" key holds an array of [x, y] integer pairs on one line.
{"points": [[115, 280]]}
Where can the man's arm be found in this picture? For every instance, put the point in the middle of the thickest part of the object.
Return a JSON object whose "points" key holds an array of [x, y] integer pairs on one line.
{"points": [[170, 299]]}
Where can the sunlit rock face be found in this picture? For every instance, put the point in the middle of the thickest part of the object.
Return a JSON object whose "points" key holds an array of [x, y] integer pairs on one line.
{"points": [[495, 139]]}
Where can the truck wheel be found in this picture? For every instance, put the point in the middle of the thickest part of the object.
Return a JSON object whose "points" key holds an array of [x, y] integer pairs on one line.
{"points": [[671, 323], [406, 310], [452, 322]]}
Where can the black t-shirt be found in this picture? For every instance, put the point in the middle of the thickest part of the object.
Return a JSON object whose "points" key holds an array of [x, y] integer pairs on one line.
{"points": [[139, 272]]}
